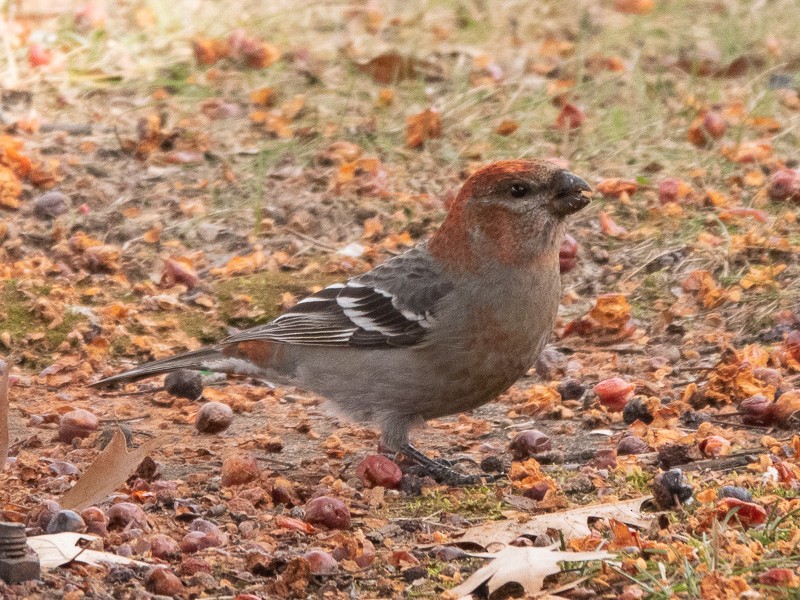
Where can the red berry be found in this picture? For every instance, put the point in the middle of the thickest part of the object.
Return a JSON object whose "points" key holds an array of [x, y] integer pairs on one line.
{"points": [[38, 55], [568, 254], [321, 562], [632, 444], [164, 547], [715, 446], [757, 410], [213, 417], [378, 470], [163, 582], [748, 513], [784, 184], [125, 515], [793, 344], [714, 124], [776, 577], [614, 393], [76, 424], [239, 469], [327, 511], [668, 191]]}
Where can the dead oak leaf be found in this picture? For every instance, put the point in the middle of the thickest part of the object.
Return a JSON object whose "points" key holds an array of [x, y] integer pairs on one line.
{"points": [[526, 566], [110, 469], [571, 523]]}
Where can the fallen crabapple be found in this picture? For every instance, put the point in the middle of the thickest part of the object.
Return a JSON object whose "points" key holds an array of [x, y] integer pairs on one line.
{"points": [[568, 254], [529, 443], [329, 512], [714, 124], [76, 424], [380, 471], [614, 393]]}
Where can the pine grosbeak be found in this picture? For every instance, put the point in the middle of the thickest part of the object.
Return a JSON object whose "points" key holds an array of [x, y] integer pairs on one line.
{"points": [[441, 329]]}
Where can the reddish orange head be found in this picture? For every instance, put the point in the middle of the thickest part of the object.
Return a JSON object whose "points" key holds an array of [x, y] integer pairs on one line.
{"points": [[513, 210]]}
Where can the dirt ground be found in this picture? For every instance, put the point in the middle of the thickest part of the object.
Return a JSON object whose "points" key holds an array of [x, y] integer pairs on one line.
{"points": [[173, 172]]}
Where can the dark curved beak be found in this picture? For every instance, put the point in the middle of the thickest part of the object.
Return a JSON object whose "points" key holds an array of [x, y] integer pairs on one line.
{"points": [[571, 195]]}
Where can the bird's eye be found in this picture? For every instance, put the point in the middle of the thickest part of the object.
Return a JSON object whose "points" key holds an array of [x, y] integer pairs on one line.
{"points": [[518, 190]]}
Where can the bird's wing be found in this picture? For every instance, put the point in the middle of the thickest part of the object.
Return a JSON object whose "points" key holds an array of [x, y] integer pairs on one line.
{"points": [[392, 305]]}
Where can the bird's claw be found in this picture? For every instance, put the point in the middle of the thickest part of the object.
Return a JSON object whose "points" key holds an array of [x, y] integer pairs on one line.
{"points": [[442, 470]]}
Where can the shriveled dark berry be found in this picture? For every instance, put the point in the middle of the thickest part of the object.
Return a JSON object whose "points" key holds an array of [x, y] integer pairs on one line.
{"points": [[51, 204], [550, 363], [671, 489], [636, 410], [734, 491], [66, 520], [412, 574], [491, 464], [571, 389], [530, 443], [632, 444], [692, 418], [184, 384]]}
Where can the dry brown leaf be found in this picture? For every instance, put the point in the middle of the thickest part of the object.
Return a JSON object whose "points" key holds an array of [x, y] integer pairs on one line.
{"points": [[110, 469], [422, 127], [616, 187], [571, 523], [392, 67], [527, 566], [4, 441], [10, 188]]}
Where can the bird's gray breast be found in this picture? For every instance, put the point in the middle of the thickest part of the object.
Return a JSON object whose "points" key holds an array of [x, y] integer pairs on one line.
{"points": [[495, 334]]}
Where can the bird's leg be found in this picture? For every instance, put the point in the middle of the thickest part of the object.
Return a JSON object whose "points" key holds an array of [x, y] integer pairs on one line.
{"points": [[441, 471]]}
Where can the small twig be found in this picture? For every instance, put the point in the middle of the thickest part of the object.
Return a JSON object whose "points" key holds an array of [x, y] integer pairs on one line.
{"points": [[726, 463], [651, 260], [311, 240], [4, 441], [136, 393], [740, 425], [68, 128]]}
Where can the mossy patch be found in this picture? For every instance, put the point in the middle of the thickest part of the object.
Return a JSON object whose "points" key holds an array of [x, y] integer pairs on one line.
{"points": [[19, 320], [265, 291], [477, 503]]}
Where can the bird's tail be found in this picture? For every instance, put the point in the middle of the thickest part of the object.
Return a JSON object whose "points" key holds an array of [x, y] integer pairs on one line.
{"points": [[205, 358]]}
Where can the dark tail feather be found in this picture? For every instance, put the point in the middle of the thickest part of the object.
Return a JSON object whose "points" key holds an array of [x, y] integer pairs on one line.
{"points": [[199, 359]]}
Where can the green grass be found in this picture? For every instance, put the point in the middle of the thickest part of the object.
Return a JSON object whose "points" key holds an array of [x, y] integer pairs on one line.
{"points": [[472, 503], [266, 290], [20, 322]]}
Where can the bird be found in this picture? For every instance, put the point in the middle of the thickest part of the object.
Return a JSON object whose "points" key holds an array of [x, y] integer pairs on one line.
{"points": [[440, 329]]}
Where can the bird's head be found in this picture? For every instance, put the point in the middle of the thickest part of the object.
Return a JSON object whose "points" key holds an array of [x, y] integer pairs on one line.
{"points": [[512, 211]]}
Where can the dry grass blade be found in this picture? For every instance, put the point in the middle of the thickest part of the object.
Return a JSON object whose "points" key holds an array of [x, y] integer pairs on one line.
{"points": [[4, 441], [110, 469]]}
